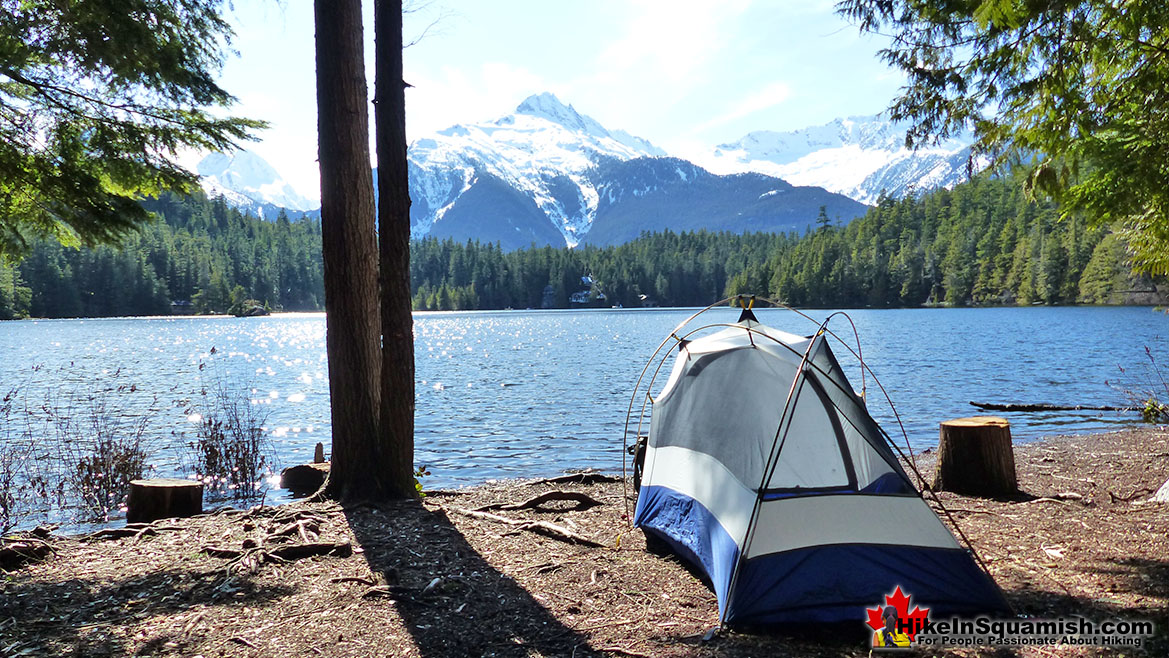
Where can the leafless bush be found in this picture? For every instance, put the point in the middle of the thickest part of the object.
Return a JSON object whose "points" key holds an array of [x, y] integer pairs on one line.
{"points": [[232, 453], [1146, 388], [101, 448]]}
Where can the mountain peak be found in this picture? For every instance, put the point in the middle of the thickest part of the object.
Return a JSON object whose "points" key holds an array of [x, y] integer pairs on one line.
{"points": [[548, 106], [543, 104]]}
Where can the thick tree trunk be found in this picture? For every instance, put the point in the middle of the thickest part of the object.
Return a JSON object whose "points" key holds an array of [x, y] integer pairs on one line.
{"points": [[397, 324], [975, 457], [163, 498], [349, 249]]}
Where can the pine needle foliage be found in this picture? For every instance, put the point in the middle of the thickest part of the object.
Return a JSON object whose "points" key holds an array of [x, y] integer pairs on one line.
{"points": [[1077, 91], [97, 99]]}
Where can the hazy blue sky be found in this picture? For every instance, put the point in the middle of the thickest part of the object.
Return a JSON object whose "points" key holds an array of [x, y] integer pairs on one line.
{"points": [[685, 74]]}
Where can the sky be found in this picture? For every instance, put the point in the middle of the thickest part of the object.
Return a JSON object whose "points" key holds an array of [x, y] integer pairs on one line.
{"points": [[685, 74]]}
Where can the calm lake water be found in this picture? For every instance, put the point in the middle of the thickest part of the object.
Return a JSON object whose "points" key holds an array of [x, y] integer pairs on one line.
{"points": [[533, 393]]}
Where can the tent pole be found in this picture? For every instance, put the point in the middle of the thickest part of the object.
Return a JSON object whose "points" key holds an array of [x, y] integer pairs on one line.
{"points": [[768, 468]]}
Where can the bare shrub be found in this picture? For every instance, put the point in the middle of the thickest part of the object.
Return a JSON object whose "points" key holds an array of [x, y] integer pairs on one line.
{"points": [[1147, 389], [23, 492], [232, 453], [101, 449]]}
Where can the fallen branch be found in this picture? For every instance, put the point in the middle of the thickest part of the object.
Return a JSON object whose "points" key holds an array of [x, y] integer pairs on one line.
{"points": [[578, 478], [244, 641], [538, 527], [135, 530], [354, 579], [288, 552], [991, 406], [220, 552], [583, 502], [1046, 500], [1129, 498], [301, 551]]}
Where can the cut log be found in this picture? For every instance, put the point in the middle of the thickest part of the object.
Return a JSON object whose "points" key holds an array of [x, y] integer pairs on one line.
{"points": [[304, 479], [163, 498], [976, 458]]}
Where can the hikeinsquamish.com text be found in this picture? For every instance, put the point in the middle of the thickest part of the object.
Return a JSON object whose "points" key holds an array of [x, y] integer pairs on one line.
{"points": [[1075, 631]]}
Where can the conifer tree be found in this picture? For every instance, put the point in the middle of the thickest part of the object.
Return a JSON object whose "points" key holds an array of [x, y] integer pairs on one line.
{"points": [[96, 99]]}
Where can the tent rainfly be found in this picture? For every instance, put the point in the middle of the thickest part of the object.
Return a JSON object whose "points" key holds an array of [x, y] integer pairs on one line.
{"points": [[764, 469]]}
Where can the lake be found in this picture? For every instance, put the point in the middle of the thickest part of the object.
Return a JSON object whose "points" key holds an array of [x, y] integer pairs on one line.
{"points": [[533, 393]]}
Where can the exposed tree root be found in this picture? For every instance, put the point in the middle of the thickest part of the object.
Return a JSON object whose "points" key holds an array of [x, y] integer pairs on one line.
{"points": [[540, 527]]}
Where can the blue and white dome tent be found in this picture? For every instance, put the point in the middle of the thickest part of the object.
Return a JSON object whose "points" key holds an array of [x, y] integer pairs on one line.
{"points": [[763, 468]]}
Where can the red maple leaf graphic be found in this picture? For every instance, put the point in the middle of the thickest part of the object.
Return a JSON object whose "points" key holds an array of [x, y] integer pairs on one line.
{"points": [[908, 621]]}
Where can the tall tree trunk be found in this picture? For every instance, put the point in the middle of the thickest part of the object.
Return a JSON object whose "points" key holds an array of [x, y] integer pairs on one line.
{"points": [[349, 250], [397, 377]]}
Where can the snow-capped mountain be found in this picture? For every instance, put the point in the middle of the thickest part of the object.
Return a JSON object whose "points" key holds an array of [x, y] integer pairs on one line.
{"points": [[547, 174], [543, 151], [859, 157], [248, 182]]}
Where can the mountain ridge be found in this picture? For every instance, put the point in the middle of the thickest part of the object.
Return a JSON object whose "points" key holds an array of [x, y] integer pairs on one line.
{"points": [[549, 174]]}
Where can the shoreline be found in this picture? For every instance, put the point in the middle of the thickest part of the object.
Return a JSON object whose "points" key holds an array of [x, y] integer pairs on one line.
{"points": [[427, 579], [1159, 307]]}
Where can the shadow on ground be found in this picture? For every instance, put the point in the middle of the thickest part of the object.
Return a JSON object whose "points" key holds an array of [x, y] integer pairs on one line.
{"points": [[453, 602], [82, 617]]}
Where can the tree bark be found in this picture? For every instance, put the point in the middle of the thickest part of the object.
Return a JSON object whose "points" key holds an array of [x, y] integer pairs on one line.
{"points": [[397, 323], [975, 457], [349, 250]]}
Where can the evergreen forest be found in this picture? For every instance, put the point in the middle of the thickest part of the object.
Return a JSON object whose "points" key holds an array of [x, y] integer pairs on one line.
{"points": [[982, 243]]}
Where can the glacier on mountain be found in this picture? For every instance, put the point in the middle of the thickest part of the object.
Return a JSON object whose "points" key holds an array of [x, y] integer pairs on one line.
{"points": [[545, 150], [247, 181], [860, 157]]}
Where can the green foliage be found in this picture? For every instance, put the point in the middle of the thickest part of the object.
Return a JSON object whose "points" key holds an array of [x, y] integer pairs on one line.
{"points": [[96, 100], [1076, 91], [197, 251], [420, 472], [982, 243]]}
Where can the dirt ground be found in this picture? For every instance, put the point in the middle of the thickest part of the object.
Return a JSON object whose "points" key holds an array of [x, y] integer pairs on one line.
{"points": [[427, 579]]}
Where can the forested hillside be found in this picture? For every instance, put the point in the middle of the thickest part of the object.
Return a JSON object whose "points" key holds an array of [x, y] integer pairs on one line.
{"points": [[981, 243], [198, 251]]}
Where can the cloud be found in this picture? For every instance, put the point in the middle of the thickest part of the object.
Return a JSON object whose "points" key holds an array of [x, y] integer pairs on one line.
{"points": [[670, 39], [763, 99], [459, 95]]}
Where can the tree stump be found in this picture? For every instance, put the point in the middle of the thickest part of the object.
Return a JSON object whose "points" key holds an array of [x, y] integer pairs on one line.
{"points": [[163, 498], [304, 479], [976, 458]]}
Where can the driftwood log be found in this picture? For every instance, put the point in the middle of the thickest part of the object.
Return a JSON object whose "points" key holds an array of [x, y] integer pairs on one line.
{"points": [[163, 498], [582, 501], [991, 406], [976, 458], [578, 478]]}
